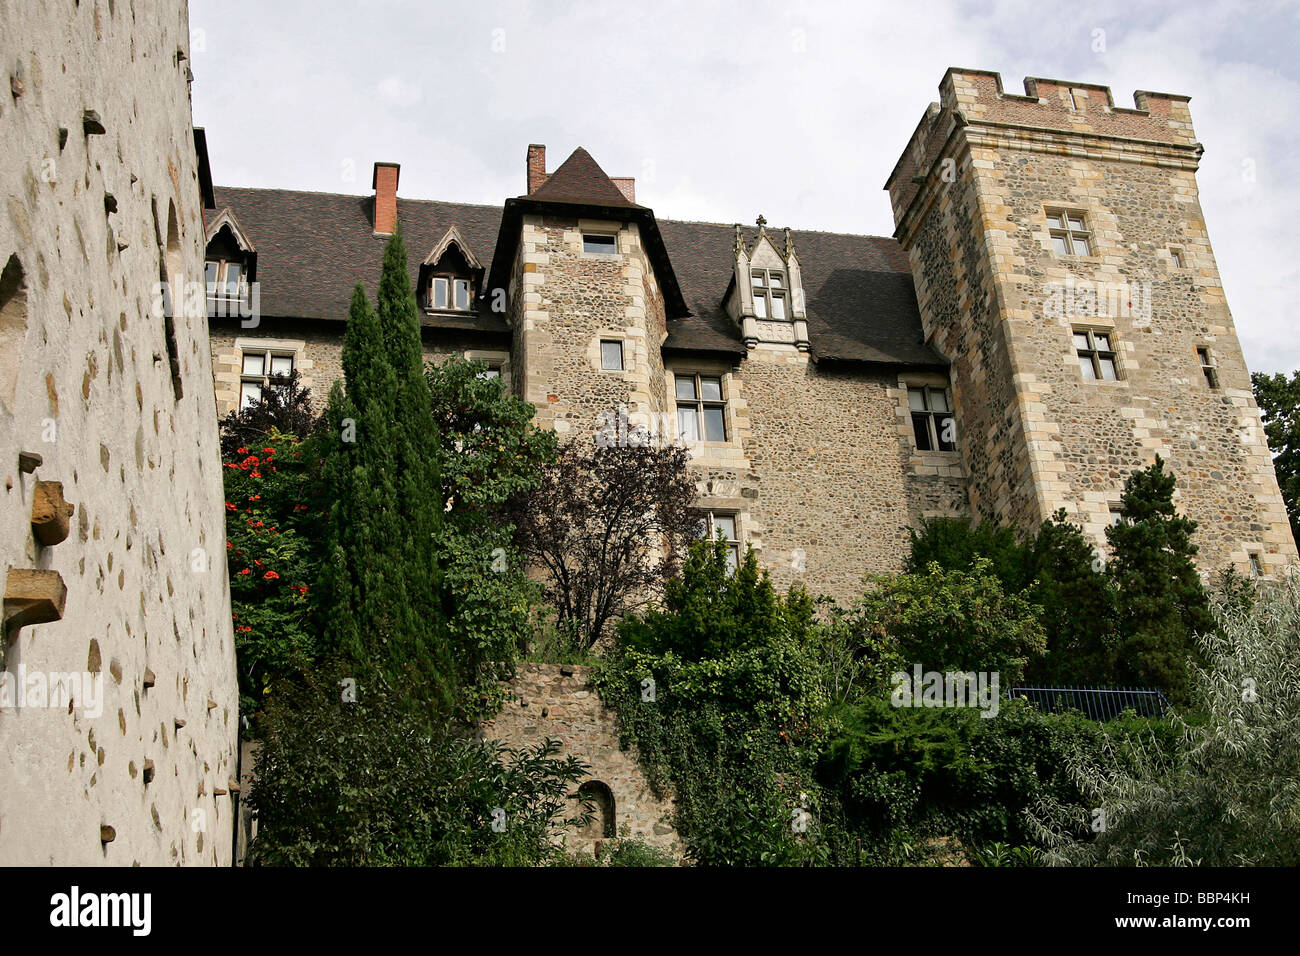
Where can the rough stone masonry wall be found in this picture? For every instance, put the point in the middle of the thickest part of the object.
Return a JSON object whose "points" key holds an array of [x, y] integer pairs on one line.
{"points": [[568, 301], [547, 700], [833, 480], [986, 278], [92, 394]]}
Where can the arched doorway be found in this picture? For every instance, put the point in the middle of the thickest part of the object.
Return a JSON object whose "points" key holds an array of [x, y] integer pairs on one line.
{"points": [[601, 799]]}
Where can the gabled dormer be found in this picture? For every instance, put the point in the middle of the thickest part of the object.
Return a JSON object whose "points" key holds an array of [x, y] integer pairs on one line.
{"points": [[765, 296], [450, 275], [231, 265]]}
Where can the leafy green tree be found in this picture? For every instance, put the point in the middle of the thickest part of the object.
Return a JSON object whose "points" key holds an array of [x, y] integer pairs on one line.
{"points": [[1078, 606], [350, 775], [284, 407], [1226, 796], [381, 586], [961, 620], [492, 457], [718, 688], [955, 544], [1163, 605], [1278, 398]]}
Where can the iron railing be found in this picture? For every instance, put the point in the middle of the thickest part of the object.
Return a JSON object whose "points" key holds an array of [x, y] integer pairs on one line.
{"points": [[1097, 703]]}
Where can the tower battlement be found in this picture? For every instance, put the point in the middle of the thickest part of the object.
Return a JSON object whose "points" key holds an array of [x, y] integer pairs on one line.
{"points": [[1073, 113]]}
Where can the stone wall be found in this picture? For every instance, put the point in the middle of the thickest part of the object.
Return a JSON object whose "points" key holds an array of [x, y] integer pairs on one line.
{"points": [[132, 763], [546, 700], [971, 198]]}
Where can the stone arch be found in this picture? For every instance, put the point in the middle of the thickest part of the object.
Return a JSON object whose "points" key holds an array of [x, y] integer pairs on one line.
{"points": [[13, 328], [602, 825], [172, 275]]}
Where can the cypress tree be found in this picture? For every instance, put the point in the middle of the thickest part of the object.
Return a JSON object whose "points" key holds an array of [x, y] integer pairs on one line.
{"points": [[380, 583], [1162, 603]]}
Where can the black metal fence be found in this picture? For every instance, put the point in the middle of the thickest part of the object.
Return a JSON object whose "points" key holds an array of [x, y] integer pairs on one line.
{"points": [[1097, 703]]}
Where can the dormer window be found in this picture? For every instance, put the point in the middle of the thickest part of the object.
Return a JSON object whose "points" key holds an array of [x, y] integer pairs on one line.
{"points": [[450, 292], [226, 282], [769, 295]]}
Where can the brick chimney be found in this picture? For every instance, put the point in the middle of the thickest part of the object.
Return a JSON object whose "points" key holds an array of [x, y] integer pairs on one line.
{"points": [[385, 185], [536, 167], [626, 185]]}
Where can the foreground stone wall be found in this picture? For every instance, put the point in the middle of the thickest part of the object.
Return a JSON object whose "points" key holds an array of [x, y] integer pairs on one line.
{"points": [[117, 402], [548, 700]]}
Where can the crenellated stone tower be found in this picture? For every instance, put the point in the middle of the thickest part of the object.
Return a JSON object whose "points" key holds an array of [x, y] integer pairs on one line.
{"points": [[1063, 267]]}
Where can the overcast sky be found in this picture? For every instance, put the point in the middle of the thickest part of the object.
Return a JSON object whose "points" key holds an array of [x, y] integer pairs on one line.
{"points": [[723, 111]]}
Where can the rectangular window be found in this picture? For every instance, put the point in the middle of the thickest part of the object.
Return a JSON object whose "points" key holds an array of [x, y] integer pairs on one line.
{"points": [[226, 282], [1208, 368], [261, 370], [701, 409], [611, 356], [933, 424], [769, 295], [492, 371], [1256, 565], [1069, 232], [1115, 512], [438, 293], [1177, 256], [601, 245], [721, 526], [461, 289], [1096, 355]]}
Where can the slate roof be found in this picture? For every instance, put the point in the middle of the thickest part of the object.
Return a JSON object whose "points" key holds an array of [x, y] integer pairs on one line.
{"points": [[313, 247], [581, 180]]}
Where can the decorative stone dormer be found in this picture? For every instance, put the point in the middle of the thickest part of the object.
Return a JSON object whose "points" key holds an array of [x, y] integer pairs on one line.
{"points": [[766, 296], [231, 265], [450, 275]]}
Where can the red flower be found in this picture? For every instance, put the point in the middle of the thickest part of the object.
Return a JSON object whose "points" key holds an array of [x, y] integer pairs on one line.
{"points": [[241, 451], [230, 506], [256, 474], [250, 498], [229, 545], [243, 629], [246, 571], [268, 451], [271, 576]]}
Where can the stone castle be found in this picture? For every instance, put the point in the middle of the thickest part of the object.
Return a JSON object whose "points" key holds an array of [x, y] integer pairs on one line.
{"points": [[1046, 319]]}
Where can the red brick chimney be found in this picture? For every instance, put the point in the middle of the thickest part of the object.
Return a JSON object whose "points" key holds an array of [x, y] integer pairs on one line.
{"points": [[626, 185], [385, 185], [536, 167]]}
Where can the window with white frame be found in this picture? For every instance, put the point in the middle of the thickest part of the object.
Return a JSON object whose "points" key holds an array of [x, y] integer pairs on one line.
{"points": [[261, 369], [1096, 351], [1069, 232], [611, 355], [933, 424], [701, 409], [226, 280], [451, 293], [599, 243], [721, 526], [769, 294]]}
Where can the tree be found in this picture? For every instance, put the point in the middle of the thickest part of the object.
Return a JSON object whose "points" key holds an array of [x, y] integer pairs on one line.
{"points": [[1279, 405], [1227, 795], [380, 588], [492, 456], [959, 620], [607, 526], [1163, 604], [359, 779], [1078, 605]]}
